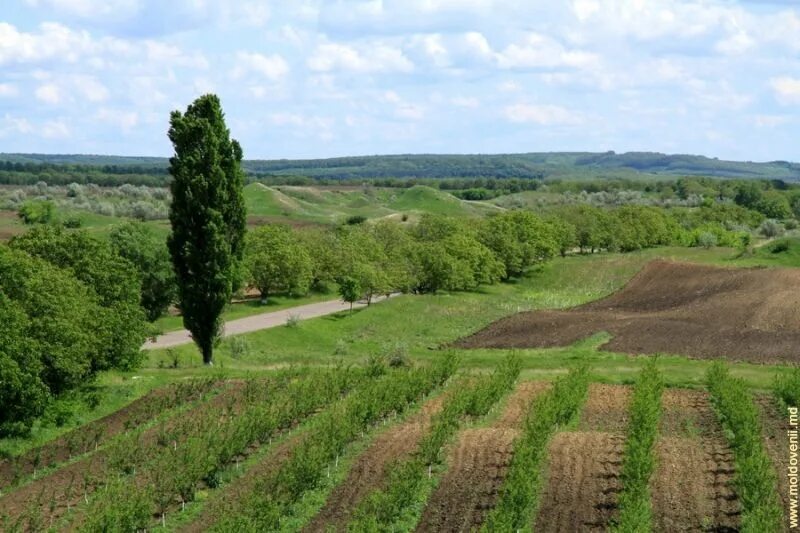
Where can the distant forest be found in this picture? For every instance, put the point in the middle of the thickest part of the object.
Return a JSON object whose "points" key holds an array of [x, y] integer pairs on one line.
{"points": [[115, 170]]}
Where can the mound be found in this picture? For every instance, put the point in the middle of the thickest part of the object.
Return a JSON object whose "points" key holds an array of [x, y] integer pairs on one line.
{"points": [[698, 311]]}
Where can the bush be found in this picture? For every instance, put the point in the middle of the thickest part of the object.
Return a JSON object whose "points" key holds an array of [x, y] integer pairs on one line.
{"points": [[770, 229], [355, 220], [779, 246], [707, 240], [293, 321], [37, 212]]}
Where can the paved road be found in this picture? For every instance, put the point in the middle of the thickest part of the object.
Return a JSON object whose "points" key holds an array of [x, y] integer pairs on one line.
{"points": [[258, 322]]}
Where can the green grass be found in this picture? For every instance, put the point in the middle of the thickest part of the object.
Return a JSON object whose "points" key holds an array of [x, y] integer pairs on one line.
{"points": [[422, 325], [250, 308]]}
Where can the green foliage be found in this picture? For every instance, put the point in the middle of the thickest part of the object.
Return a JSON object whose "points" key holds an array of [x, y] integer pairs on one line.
{"points": [[37, 212], [520, 491], [520, 240], [23, 395], [137, 243], [787, 387], [276, 263], [120, 323], [755, 480], [639, 460], [207, 216], [121, 506], [274, 495], [349, 290], [707, 240]]}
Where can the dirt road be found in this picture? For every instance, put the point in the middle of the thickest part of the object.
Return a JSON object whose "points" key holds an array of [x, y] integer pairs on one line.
{"points": [[262, 321]]}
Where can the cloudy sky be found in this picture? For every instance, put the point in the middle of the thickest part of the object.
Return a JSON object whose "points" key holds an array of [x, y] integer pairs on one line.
{"points": [[318, 78]]}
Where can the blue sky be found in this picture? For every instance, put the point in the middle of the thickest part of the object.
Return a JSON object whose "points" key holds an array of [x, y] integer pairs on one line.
{"points": [[319, 78]]}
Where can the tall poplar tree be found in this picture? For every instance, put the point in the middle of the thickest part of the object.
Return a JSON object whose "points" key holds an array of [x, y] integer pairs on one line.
{"points": [[207, 216]]}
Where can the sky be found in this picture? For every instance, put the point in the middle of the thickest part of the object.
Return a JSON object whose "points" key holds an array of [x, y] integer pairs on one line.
{"points": [[324, 78]]}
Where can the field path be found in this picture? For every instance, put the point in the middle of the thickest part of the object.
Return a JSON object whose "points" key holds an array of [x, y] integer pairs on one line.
{"points": [[262, 321]]}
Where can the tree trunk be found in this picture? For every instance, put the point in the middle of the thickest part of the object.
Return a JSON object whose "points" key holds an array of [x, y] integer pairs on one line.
{"points": [[208, 355]]}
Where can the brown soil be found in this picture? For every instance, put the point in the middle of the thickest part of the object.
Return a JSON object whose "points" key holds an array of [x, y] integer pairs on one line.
{"points": [[693, 310], [88, 436], [583, 483], [371, 468], [8, 231], [776, 441], [477, 467], [692, 486], [606, 408]]}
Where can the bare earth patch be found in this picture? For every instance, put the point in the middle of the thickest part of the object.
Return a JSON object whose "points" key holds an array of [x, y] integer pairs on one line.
{"points": [[694, 310]]}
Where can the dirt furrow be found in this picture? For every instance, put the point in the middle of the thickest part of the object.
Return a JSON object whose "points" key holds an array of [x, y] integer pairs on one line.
{"points": [[584, 466], [370, 469], [776, 442], [692, 486], [478, 463]]}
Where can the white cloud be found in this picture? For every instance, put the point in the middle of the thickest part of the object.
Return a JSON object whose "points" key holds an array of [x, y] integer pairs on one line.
{"points": [[124, 120], [53, 41], [787, 89], [167, 56], [466, 101], [48, 93], [55, 129], [770, 121], [272, 67], [14, 126], [90, 88], [305, 125], [540, 51], [8, 90], [375, 57], [544, 115]]}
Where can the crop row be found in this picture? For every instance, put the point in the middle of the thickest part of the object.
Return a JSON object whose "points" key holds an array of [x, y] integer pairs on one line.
{"points": [[275, 494], [520, 491], [90, 437], [755, 478], [161, 474], [639, 459], [380, 510], [787, 387]]}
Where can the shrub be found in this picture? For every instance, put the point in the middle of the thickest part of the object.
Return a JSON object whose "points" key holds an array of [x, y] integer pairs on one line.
{"points": [[707, 240], [355, 220], [239, 346], [779, 246], [770, 229], [293, 321], [37, 212]]}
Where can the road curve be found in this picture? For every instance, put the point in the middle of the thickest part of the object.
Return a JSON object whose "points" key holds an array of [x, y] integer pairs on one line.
{"points": [[259, 322]]}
